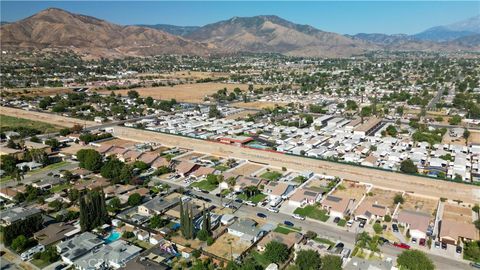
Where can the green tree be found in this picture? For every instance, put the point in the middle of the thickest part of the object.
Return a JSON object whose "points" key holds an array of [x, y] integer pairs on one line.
{"points": [[377, 228], [455, 120], [20, 243], [276, 252], [407, 166], [331, 262], [398, 199], [90, 159], [93, 211], [134, 199], [414, 260], [308, 260], [132, 94], [114, 204]]}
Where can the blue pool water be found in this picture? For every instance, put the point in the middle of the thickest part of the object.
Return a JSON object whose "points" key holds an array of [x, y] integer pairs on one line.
{"points": [[112, 237]]}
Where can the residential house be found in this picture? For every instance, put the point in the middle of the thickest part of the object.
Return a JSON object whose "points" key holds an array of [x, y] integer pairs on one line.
{"points": [[157, 205], [304, 196], [338, 206], [12, 215], [452, 232], [111, 256], [81, 244], [276, 190], [54, 233], [416, 222], [368, 210], [246, 229], [287, 239]]}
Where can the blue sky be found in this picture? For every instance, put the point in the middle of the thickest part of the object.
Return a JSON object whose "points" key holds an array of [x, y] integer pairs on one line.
{"points": [[347, 17]]}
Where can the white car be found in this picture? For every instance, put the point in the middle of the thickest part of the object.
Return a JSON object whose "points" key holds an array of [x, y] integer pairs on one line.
{"points": [[250, 203], [350, 223], [273, 209], [297, 216]]}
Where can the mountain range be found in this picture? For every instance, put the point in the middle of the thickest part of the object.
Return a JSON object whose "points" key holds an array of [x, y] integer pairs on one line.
{"points": [[56, 28]]}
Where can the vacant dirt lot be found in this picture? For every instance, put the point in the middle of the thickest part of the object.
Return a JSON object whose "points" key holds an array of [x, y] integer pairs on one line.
{"points": [[382, 197], [39, 91], [194, 92], [240, 114], [246, 169], [257, 105], [421, 204], [120, 143], [227, 246], [350, 190], [190, 156], [474, 137], [45, 117]]}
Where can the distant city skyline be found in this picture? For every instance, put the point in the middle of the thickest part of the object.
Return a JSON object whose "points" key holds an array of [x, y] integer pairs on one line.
{"points": [[345, 17]]}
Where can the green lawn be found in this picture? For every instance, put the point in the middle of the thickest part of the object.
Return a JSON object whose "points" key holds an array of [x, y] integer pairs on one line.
{"points": [[260, 259], [40, 263], [5, 179], [324, 241], [60, 187], [312, 211], [272, 175], [286, 230], [50, 167], [342, 223], [255, 199], [204, 185], [13, 122], [221, 168]]}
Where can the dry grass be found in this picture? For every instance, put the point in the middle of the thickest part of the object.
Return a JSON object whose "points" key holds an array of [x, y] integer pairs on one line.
{"points": [[186, 75], [246, 169], [30, 92], [241, 115], [190, 156], [350, 190], [194, 92], [474, 137], [119, 143], [45, 117], [73, 148], [421, 204], [257, 104], [382, 197], [457, 212], [447, 139], [227, 245], [195, 243]]}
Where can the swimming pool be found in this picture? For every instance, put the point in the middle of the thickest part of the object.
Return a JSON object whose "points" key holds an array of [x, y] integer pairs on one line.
{"points": [[112, 237]]}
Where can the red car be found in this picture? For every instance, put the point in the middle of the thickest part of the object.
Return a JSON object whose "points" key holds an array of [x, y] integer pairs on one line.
{"points": [[402, 245], [422, 242]]}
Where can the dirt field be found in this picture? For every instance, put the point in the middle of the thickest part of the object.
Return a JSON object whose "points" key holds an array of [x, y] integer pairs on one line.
{"points": [[256, 105], [227, 246], [421, 204], [382, 197], [350, 190], [246, 169], [190, 156], [240, 114], [45, 117], [119, 143], [189, 75], [474, 137], [30, 92], [194, 92], [450, 140]]}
